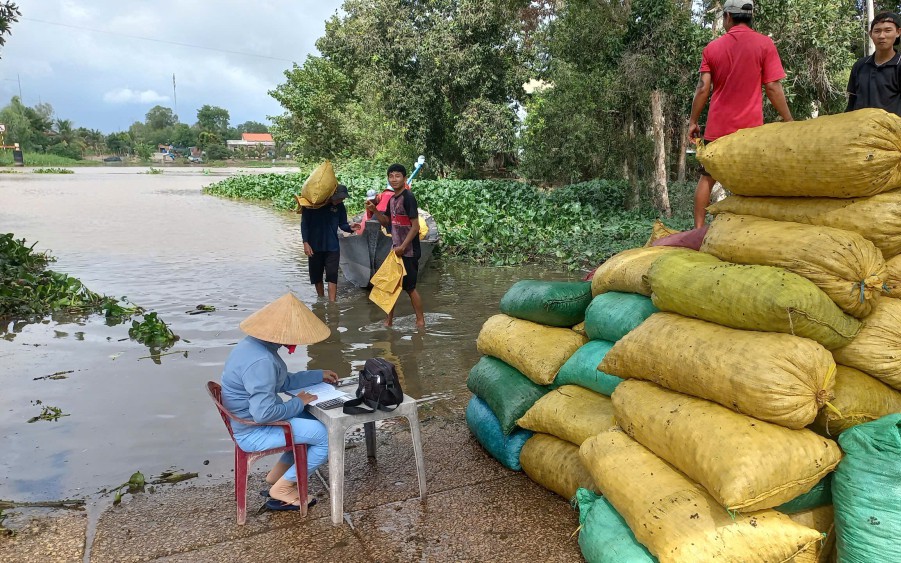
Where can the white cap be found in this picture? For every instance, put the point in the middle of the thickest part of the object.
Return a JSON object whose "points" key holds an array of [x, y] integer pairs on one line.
{"points": [[370, 194], [739, 7]]}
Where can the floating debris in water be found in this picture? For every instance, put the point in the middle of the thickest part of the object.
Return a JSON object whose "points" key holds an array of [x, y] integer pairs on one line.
{"points": [[48, 413], [200, 309], [55, 376]]}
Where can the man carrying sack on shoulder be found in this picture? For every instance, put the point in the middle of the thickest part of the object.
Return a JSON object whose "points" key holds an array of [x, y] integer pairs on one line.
{"points": [[735, 67]]}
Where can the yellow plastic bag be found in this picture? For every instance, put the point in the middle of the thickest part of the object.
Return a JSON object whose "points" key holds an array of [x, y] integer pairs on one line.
{"points": [[571, 413], [877, 218], [778, 378], [675, 518], [760, 298], [821, 519], [659, 231], [744, 463], [893, 277], [859, 398], [846, 266], [877, 349], [537, 351], [387, 283], [845, 155], [626, 271], [555, 465], [319, 187]]}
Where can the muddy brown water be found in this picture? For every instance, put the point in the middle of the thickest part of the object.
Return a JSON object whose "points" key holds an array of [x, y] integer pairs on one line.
{"points": [[159, 241]]}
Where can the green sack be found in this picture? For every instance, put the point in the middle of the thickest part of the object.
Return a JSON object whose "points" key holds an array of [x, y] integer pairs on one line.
{"points": [[819, 495], [582, 369], [613, 315], [761, 298], [604, 536], [866, 492], [487, 430], [550, 303], [507, 392]]}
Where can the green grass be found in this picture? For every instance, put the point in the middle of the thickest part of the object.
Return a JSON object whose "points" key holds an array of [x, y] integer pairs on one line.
{"points": [[42, 159], [52, 171]]}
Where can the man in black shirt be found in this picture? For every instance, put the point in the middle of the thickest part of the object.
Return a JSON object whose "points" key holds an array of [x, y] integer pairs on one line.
{"points": [[876, 80], [319, 230]]}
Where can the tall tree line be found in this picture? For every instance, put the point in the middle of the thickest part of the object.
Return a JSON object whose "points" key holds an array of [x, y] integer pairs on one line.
{"points": [[553, 91]]}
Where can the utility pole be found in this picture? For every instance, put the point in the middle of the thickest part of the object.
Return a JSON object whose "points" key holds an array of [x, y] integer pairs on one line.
{"points": [[174, 95], [871, 13], [19, 79]]}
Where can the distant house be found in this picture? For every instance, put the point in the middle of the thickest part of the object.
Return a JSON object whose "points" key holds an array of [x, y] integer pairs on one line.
{"points": [[252, 140]]}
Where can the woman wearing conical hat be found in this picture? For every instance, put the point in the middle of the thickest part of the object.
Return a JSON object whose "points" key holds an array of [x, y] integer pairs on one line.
{"points": [[254, 376]]}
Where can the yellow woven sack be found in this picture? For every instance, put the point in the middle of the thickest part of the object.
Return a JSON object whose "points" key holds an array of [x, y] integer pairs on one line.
{"points": [[778, 378], [319, 187], [580, 328], [675, 518], [555, 465], [893, 277], [859, 398], [821, 519], [625, 272], [877, 218], [877, 349], [571, 413], [846, 155], [745, 464], [749, 298], [659, 231], [846, 266], [537, 351]]}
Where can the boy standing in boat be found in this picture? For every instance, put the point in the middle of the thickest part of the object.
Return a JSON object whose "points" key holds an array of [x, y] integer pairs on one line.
{"points": [[402, 221]]}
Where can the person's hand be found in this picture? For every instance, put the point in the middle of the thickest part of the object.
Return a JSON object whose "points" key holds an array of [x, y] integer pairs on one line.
{"points": [[329, 376], [399, 251], [354, 226], [370, 207], [307, 398], [694, 132], [307, 249]]}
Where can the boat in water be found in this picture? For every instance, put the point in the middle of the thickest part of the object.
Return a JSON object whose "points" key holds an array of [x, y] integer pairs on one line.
{"points": [[362, 253]]}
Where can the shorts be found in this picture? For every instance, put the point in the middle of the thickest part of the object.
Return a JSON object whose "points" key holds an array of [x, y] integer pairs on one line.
{"points": [[411, 264], [324, 262]]}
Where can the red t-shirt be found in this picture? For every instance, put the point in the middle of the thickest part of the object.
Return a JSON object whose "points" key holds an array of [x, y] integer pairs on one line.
{"points": [[740, 63]]}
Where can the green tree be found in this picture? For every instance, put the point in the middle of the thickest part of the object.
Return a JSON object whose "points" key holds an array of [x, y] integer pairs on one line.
{"points": [[250, 127], [182, 135], [214, 120], [119, 143], [159, 118], [9, 14]]}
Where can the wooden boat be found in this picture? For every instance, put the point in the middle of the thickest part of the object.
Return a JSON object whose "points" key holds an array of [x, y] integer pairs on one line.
{"points": [[362, 254]]}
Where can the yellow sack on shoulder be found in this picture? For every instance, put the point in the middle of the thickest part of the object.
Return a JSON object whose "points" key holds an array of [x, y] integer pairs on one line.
{"points": [[744, 463], [846, 155], [387, 283], [319, 187], [675, 518]]}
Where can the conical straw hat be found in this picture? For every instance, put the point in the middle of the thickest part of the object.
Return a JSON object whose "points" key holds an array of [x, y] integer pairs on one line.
{"points": [[286, 321]]}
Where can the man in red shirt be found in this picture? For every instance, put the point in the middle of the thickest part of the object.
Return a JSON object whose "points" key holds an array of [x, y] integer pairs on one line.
{"points": [[735, 66]]}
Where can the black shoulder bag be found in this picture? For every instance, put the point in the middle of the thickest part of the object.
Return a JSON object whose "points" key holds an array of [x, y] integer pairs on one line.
{"points": [[378, 389]]}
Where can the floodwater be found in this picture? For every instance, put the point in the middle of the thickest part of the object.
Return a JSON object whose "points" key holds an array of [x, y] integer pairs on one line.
{"points": [[159, 241]]}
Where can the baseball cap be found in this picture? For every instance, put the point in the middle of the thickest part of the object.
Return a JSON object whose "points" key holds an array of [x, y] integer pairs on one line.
{"points": [[370, 194], [739, 7], [340, 192]]}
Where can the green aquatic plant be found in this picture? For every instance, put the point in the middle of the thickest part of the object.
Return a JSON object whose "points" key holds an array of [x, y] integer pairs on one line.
{"points": [[52, 171], [502, 222], [153, 170], [48, 413], [152, 332]]}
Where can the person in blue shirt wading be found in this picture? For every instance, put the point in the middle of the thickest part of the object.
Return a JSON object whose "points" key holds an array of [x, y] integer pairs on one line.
{"points": [[319, 230], [253, 377]]}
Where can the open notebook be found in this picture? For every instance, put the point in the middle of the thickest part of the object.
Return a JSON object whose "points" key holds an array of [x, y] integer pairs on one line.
{"points": [[324, 392]]}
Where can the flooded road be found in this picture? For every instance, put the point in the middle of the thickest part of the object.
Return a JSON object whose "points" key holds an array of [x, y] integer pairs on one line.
{"points": [[159, 241]]}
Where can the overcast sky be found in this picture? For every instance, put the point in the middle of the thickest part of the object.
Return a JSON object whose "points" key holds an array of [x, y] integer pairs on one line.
{"points": [[106, 81]]}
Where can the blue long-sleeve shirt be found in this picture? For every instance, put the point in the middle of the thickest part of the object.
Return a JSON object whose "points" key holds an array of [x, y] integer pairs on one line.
{"points": [[254, 374], [319, 227]]}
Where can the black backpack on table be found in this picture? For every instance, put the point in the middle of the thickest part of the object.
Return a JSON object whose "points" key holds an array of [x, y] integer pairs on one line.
{"points": [[378, 389]]}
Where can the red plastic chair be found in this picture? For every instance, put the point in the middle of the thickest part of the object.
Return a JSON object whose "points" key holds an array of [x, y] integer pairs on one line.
{"points": [[243, 460]]}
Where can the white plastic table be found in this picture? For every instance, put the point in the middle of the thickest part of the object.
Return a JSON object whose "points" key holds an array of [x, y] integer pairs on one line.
{"points": [[338, 423]]}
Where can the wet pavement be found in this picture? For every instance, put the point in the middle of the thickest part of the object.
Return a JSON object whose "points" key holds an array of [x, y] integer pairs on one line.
{"points": [[159, 241]]}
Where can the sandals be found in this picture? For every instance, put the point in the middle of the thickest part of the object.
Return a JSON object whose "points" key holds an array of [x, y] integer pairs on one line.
{"points": [[277, 505]]}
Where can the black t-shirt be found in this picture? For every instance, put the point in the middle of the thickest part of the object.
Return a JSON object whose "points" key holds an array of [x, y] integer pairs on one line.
{"points": [[403, 211], [875, 86]]}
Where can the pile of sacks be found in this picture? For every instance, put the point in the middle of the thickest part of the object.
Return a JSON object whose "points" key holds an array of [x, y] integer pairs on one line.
{"points": [[736, 403]]}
